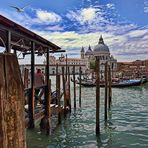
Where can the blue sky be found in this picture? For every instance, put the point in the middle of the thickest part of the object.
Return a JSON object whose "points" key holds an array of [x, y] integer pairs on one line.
{"points": [[72, 24]]}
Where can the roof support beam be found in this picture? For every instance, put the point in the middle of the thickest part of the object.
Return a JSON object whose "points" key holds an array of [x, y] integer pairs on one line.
{"points": [[31, 97], [8, 42]]}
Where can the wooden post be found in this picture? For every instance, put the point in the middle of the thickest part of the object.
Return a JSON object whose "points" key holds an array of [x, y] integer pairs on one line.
{"points": [[12, 125], [48, 87], [8, 42], [110, 87], [65, 100], [31, 96], [97, 96], [80, 87], [74, 83], [69, 94], [26, 72], [66, 68], [58, 97], [106, 91]]}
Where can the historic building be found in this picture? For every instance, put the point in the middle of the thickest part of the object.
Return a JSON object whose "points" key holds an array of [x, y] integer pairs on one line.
{"points": [[101, 50]]}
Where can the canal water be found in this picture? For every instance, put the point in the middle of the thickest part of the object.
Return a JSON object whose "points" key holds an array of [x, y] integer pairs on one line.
{"points": [[127, 125]]}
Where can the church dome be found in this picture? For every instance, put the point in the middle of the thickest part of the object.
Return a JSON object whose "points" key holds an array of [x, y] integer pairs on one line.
{"points": [[101, 47]]}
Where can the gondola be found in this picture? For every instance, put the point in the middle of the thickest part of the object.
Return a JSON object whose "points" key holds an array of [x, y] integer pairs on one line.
{"points": [[121, 84]]}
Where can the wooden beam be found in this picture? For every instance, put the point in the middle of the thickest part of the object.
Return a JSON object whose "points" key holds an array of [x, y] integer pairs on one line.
{"points": [[31, 96]]}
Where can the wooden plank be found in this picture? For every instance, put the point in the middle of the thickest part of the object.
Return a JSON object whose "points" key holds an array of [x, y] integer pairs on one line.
{"points": [[3, 141], [14, 104]]}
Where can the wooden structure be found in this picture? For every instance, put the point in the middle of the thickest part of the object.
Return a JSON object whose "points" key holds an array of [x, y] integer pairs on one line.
{"points": [[12, 125], [15, 38]]}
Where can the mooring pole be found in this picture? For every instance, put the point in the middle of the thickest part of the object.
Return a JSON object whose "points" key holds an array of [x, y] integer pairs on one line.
{"points": [[65, 100], [74, 83], [66, 68], [58, 97], [106, 91], [69, 94], [97, 96], [80, 87], [110, 87]]}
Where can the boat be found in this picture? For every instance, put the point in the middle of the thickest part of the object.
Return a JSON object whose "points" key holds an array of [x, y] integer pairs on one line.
{"points": [[120, 84]]}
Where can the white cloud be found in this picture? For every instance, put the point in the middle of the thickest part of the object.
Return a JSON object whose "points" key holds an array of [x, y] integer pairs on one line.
{"points": [[86, 15], [54, 28], [110, 6], [47, 17], [138, 33], [146, 6]]}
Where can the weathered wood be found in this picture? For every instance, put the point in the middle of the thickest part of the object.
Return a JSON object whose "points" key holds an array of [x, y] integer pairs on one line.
{"points": [[12, 125], [26, 72], [65, 100], [97, 96], [48, 88], [58, 97], [74, 86], [80, 73], [66, 68], [69, 94], [47, 98], [106, 91], [31, 96], [8, 42], [110, 88]]}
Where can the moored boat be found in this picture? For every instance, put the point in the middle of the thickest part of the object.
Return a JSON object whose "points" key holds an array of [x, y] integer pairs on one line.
{"points": [[120, 84]]}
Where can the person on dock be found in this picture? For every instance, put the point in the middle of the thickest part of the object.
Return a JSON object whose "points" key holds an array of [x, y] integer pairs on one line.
{"points": [[39, 81]]}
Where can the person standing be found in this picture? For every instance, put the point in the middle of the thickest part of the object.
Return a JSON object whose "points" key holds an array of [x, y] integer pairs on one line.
{"points": [[39, 81]]}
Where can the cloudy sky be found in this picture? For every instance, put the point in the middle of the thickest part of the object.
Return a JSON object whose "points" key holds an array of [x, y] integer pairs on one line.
{"points": [[72, 24]]}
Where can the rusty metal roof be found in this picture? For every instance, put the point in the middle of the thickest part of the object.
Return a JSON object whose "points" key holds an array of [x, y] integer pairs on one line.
{"points": [[21, 37]]}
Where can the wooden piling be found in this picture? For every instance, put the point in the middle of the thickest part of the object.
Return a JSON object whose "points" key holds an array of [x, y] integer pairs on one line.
{"points": [[97, 96], [65, 100], [110, 87], [74, 85], [12, 125], [69, 94], [58, 97], [80, 73], [106, 91], [66, 69], [26, 72]]}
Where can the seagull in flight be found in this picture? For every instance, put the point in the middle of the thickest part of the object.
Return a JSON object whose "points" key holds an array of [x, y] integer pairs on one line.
{"points": [[18, 9]]}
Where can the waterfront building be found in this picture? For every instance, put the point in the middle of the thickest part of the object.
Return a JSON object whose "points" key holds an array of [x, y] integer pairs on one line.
{"points": [[61, 62], [132, 69], [101, 50]]}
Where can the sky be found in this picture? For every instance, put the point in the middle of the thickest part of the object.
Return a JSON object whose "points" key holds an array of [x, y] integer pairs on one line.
{"points": [[72, 24]]}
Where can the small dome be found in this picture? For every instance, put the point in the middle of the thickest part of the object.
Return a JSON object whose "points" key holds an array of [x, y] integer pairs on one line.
{"points": [[89, 51], [101, 47]]}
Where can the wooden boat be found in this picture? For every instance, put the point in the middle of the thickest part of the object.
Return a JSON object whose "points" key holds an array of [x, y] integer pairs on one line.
{"points": [[121, 84]]}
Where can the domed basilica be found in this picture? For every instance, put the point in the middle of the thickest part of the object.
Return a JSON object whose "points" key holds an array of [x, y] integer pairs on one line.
{"points": [[101, 50]]}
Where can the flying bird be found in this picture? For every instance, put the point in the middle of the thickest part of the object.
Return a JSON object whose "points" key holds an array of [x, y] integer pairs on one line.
{"points": [[18, 9]]}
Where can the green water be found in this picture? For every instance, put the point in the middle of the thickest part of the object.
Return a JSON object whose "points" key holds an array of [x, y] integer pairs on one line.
{"points": [[127, 124]]}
